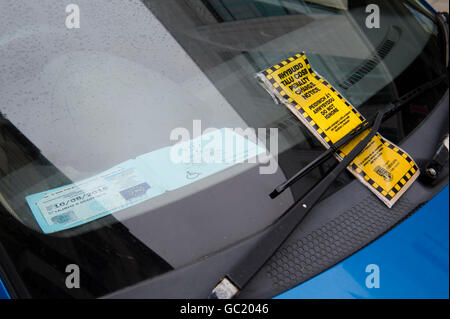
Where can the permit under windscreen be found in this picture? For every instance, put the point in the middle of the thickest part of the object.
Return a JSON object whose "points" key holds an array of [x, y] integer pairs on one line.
{"points": [[137, 180]]}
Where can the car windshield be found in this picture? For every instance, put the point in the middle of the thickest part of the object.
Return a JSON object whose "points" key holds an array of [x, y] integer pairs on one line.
{"points": [[109, 96]]}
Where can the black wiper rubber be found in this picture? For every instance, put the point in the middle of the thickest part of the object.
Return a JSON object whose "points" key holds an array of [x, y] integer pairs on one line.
{"points": [[278, 232], [391, 109], [320, 159]]}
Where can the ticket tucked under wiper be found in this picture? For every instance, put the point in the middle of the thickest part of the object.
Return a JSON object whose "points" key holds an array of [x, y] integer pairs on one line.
{"points": [[382, 166]]}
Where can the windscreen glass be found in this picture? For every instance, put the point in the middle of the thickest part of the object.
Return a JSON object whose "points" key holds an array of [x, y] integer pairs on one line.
{"points": [[95, 97]]}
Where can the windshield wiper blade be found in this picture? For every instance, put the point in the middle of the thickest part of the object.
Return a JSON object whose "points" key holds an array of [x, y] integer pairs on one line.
{"points": [[320, 159], [391, 109], [278, 232]]}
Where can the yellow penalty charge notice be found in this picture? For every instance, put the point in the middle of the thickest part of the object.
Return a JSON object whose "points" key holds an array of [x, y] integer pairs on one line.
{"points": [[382, 166]]}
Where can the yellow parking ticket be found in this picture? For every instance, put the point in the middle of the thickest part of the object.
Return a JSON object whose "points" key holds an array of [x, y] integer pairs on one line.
{"points": [[382, 166]]}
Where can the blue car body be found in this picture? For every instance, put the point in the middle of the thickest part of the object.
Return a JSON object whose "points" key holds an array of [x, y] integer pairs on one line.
{"points": [[3, 292], [412, 260]]}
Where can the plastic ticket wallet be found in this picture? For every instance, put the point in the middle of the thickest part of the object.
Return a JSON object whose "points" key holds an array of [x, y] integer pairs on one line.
{"points": [[137, 180], [382, 166]]}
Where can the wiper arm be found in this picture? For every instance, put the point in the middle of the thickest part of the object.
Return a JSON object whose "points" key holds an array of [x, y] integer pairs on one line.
{"points": [[278, 232], [391, 109], [320, 159]]}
